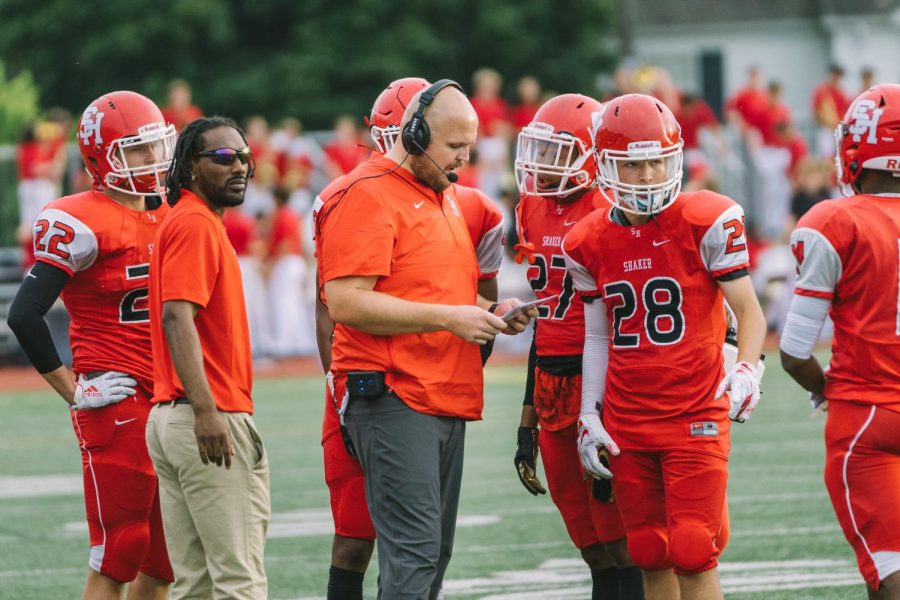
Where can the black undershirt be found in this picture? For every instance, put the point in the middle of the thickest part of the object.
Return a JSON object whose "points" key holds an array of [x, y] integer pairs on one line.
{"points": [[40, 289]]}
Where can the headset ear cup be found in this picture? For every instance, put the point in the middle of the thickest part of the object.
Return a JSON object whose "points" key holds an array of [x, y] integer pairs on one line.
{"points": [[407, 137]]}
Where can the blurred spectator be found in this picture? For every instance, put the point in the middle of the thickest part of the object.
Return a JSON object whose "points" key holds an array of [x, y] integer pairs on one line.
{"points": [[695, 115], [812, 184], [345, 150], [829, 103], [529, 90], [41, 162], [258, 200], [243, 233], [178, 109], [290, 307], [749, 103], [866, 79], [787, 136], [492, 110], [776, 114]]}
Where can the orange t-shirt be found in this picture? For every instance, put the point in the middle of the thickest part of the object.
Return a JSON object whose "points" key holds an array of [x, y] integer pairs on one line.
{"points": [[193, 261], [416, 243]]}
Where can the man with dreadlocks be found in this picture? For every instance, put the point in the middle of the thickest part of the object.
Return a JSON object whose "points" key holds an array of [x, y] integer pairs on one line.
{"points": [[215, 519], [93, 248]]}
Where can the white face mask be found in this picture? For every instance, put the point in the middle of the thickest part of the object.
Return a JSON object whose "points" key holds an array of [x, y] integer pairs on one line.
{"points": [[640, 199], [551, 164]]}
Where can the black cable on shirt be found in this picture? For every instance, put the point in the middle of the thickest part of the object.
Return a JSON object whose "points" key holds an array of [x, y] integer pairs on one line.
{"points": [[42, 286]]}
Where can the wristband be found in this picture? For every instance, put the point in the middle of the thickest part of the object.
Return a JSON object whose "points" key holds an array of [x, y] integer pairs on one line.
{"points": [[493, 307]]}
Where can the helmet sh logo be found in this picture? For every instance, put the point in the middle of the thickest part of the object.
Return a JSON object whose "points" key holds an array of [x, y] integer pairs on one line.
{"points": [[863, 123], [90, 126]]}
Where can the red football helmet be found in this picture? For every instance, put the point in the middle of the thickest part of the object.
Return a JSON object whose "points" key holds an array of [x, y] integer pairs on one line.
{"points": [[384, 122], [121, 128], [554, 155], [635, 127], [868, 137]]}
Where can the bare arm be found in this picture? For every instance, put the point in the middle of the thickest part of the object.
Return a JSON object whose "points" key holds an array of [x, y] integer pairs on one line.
{"points": [[805, 371], [353, 301], [324, 331], [750, 319], [213, 438], [488, 289]]}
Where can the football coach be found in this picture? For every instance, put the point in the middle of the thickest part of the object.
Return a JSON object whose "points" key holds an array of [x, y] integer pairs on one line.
{"points": [[400, 278]]}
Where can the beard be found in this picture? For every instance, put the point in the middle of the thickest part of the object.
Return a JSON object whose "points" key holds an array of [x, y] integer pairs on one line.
{"points": [[429, 174], [224, 196]]}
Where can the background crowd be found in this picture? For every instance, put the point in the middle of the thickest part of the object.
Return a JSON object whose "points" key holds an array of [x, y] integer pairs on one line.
{"points": [[754, 152]]}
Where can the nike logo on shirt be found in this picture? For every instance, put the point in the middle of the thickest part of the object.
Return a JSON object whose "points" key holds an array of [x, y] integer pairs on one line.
{"points": [[569, 223], [118, 422], [418, 204], [660, 243]]}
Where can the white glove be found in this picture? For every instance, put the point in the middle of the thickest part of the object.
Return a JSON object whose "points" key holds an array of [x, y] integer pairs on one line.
{"points": [[592, 440], [742, 385], [105, 389]]}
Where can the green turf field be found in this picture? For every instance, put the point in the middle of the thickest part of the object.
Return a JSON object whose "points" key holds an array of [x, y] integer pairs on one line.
{"points": [[785, 541]]}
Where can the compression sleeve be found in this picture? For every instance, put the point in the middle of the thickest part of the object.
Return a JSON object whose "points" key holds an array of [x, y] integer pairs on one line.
{"points": [[529, 378], [42, 286], [803, 324], [596, 356]]}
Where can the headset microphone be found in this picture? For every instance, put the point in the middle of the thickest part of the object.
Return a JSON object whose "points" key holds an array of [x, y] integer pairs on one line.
{"points": [[451, 176]]}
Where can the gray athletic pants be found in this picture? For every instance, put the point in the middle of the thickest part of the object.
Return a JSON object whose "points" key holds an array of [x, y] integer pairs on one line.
{"points": [[413, 466]]}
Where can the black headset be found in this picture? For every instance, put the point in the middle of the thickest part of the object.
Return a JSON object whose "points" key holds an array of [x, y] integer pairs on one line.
{"points": [[416, 134]]}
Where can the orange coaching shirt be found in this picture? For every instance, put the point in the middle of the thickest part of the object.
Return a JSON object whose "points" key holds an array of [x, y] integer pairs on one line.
{"points": [[416, 242], [194, 261]]}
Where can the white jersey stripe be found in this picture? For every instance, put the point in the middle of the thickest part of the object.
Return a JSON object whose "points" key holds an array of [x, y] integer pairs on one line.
{"points": [[96, 557], [847, 483]]}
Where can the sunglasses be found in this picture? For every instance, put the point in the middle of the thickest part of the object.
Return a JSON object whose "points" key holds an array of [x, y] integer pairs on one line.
{"points": [[227, 156]]}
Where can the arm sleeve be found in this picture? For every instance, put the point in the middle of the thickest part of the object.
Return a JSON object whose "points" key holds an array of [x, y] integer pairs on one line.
{"points": [[803, 325], [358, 235], [723, 247], [596, 357], [190, 265], [532, 363], [490, 252], [64, 241], [36, 295], [819, 265]]}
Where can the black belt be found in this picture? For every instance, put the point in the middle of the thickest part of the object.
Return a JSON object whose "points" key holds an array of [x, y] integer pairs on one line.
{"points": [[174, 401]]}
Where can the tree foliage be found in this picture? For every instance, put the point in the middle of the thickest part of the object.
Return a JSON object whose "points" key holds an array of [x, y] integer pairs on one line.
{"points": [[313, 59], [18, 104]]}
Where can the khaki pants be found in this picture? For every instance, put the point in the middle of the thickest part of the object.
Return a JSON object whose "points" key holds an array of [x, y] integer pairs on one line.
{"points": [[215, 520]]}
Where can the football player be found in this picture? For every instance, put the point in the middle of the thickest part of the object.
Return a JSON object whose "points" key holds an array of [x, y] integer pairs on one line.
{"points": [[652, 270], [841, 248], [555, 171], [354, 538], [94, 249]]}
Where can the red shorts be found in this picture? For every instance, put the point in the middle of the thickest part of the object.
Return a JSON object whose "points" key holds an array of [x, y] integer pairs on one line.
{"points": [[673, 506], [588, 521], [121, 494], [557, 399], [862, 473], [344, 477]]}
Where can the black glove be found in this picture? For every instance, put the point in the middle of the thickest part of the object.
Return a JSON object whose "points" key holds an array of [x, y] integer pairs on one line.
{"points": [[526, 458], [601, 489]]}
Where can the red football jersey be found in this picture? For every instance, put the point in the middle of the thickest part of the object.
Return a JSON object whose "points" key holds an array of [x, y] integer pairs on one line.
{"points": [[105, 248], [543, 224], [667, 317], [485, 223], [848, 251]]}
